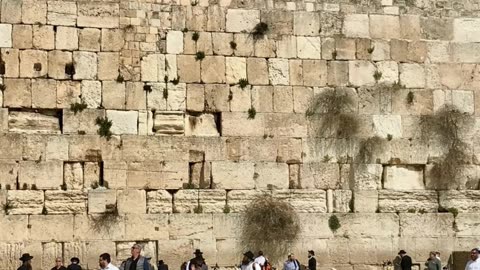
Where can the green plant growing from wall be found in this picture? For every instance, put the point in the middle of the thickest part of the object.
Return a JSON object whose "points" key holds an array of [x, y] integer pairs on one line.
{"points": [[259, 31], [175, 81], [410, 98], [195, 36], [105, 221], [334, 223], [243, 83], [120, 78], [377, 75], [270, 225], [233, 45], [330, 114], [454, 211], [226, 209], [334, 55], [369, 150], [3, 87], [371, 49], [78, 107], [448, 127], [104, 126], [198, 209], [199, 56], [252, 113], [7, 206]]}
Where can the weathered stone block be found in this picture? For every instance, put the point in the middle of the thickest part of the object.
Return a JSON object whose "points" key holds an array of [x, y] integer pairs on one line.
{"points": [[233, 175], [73, 175], [236, 69], [92, 93], [123, 122], [342, 200], [463, 201], [278, 71], [440, 224], [466, 29], [238, 200], [62, 13], [412, 75], [131, 201], [186, 201], [384, 26], [407, 201], [59, 202], [13, 228], [399, 50], [238, 124], [271, 176], [381, 50], [212, 69], [356, 25], [159, 201], [45, 175], [169, 123], [287, 47], [12, 62], [146, 226], [101, 200], [25, 202], [257, 71], [11, 11], [113, 95], [5, 35], [89, 39], [81, 122], [283, 99], [364, 47], [66, 38], [308, 47], [33, 122], [33, 63], [241, 20], [372, 225], [203, 125], [337, 73], [175, 42], [98, 14], [212, 201], [135, 96], [361, 73], [366, 176], [85, 65], [182, 227], [319, 175], [188, 68], [34, 12], [112, 40], [345, 49], [306, 23], [22, 36], [403, 178], [57, 61], [108, 66], [365, 201], [146, 174]]}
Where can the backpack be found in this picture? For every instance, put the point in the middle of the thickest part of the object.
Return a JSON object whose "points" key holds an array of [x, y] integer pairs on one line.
{"points": [[267, 265]]}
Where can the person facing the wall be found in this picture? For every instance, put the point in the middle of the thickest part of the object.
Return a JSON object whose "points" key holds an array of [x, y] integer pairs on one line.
{"points": [[406, 263], [433, 263], [248, 262], [136, 261], [59, 264], [312, 262], [75, 264], [26, 262]]}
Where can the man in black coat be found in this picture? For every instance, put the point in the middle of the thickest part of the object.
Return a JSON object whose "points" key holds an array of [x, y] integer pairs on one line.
{"points": [[312, 262], [75, 264], [406, 263]]}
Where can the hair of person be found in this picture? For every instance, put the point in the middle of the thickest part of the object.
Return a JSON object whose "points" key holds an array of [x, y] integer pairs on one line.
{"points": [[106, 257]]}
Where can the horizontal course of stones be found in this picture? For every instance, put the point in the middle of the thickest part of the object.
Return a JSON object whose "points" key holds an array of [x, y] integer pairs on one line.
{"points": [[187, 153]]}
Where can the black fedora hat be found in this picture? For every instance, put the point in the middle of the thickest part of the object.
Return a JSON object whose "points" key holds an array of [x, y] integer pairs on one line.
{"points": [[249, 255], [25, 257], [198, 252], [75, 259]]}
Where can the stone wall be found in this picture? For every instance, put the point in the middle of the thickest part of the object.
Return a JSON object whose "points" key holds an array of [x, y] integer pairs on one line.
{"points": [[206, 113]]}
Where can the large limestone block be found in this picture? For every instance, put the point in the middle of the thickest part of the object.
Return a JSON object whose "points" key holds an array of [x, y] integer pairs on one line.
{"points": [[315, 225], [131, 201], [44, 93], [236, 69], [159, 201], [169, 123], [8, 173], [203, 125], [33, 122], [233, 175], [365, 201], [186, 201], [34, 12], [384, 26], [356, 25], [238, 200], [238, 124], [269, 175], [59, 202], [308, 47], [91, 227], [304, 201], [108, 65], [44, 175], [412, 75], [62, 13], [366, 176], [25, 202], [212, 69], [17, 93], [387, 125], [306, 23], [278, 71], [146, 226], [466, 30], [241, 20], [320, 175], [285, 125], [81, 122], [9, 146], [123, 122], [101, 200], [5, 35], [155, 148], [342, 200], [22, 36], [467, 224], [92, 93], [226, 225], [212, 201], [400, 177], [56, 148], [85, 65], [175, 42], [112, 40], [66, 38], [57, 60], [464, 201], [361, 73], [439, 224], [135, 96], [113, 95], [369, 225], [405, 201], [465, 52], [40, 230], [89, 39], [146, 175], [73, 175], [182, 226], [13, 228], [98, 14], [12, 62]]}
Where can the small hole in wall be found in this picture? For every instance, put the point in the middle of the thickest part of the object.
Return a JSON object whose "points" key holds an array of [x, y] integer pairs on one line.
{"points": [[147, 88], [37, 67], [69, 69]]}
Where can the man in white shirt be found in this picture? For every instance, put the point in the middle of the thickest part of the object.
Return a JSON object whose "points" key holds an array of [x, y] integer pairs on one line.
{"points": [[474, 263], [105, 262], [260, 259], [248, 262]]}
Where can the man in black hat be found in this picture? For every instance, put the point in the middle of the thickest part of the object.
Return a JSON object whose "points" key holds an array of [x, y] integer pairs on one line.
{"points": [[406, 262], [312, 262], [75, 264], [248, 262], [26, 262], [197, 263]]}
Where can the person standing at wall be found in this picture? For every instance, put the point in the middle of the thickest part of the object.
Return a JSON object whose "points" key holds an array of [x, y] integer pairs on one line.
{"points": [[137, 261], [406, 263], [248, 262], [474, 263], [433, 263], [162, 265], [59, 264], [105, 262], [26, 262], [260, 259], [291, 263], [312, 262]]}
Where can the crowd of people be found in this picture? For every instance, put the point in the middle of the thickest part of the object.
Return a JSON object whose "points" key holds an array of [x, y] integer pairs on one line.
{"points": [[249, 262]]}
